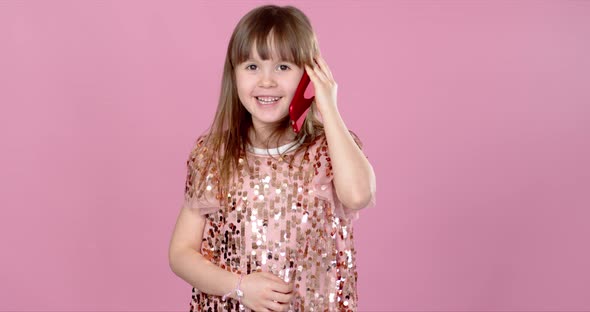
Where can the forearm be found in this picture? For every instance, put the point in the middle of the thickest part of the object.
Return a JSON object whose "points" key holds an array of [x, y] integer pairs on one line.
{"points": [[354, 178], [199, 272]]}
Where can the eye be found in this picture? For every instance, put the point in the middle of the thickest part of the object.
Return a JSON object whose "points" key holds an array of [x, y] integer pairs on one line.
{"points": [[248, 67]]}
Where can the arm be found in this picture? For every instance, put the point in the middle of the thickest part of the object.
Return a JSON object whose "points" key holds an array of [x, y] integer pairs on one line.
{"points": [[354, 178], [188, 263]]}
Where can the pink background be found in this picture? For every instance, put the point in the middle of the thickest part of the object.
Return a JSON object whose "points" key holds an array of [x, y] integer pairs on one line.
{"points": [[474, 114]]}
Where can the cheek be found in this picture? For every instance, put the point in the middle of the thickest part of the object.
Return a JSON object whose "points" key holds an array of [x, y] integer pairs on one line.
{"points": [[292, 88], [245, 86], [244, 90], [294, 82]]}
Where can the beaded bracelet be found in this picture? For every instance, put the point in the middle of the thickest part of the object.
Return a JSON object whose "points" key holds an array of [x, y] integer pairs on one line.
{"points": [[238, 291]]}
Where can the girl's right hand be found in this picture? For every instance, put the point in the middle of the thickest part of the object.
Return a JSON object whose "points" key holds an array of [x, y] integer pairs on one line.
{"points": [[264, 291]]}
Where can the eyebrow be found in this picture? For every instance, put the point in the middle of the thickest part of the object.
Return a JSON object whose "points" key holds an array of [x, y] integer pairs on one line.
{"points": [[253, 60]]}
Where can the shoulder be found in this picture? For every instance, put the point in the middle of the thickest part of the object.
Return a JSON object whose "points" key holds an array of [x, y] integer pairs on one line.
{"points": [[202, 144], [200, 152]]}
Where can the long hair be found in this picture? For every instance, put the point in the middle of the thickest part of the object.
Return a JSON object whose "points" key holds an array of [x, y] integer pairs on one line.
{"points": [[287, 31]]}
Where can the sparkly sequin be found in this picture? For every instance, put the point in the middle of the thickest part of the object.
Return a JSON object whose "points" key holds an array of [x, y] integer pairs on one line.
{"points": [[283, 219]]}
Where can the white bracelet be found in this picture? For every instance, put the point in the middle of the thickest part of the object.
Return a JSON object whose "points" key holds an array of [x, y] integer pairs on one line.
{"points": [[238, 291]]}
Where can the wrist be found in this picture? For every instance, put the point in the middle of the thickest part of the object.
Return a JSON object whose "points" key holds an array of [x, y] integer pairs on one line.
{"points": [[328, 112], [236, 290]]}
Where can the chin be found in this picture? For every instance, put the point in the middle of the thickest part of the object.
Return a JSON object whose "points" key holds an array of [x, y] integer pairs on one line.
{"points": [[272, 120]]}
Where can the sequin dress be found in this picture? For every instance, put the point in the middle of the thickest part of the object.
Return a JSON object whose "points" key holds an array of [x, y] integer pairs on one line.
{"points": [[285, 220]]}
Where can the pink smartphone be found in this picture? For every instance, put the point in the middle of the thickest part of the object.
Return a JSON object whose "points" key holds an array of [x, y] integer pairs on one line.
{"points": [[299, 104]]}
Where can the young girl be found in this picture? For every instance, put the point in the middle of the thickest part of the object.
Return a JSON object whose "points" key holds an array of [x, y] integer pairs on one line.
{"points": [[266, 225]]}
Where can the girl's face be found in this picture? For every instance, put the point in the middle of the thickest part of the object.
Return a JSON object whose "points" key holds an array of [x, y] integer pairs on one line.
{"points": [[268, 79]]}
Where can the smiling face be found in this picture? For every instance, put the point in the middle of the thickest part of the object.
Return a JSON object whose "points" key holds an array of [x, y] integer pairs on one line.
{"points": [[258, 80]]}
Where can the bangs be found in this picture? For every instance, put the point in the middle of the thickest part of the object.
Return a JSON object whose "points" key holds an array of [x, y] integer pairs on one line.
{"points": [[275, 41]]}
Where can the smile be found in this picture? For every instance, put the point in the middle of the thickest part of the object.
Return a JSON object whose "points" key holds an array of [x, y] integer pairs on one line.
{"points": [[267, 100]]}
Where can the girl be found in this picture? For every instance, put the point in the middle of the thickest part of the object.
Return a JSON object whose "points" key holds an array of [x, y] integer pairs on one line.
{"points": [[268, 226]]}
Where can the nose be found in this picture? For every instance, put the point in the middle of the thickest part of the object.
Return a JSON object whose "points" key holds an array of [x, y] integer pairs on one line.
{"points": [[267, 79]]}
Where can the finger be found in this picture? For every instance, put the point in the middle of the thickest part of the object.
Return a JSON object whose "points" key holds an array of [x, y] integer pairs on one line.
{"points": [[325, 67], [275, 306], [279, 285], [282, 287], [320, 72], [275, 278], [280, 297], [312, 74]]}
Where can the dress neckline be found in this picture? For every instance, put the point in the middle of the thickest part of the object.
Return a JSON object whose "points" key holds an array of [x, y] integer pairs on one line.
{"points": [[275, 150]]}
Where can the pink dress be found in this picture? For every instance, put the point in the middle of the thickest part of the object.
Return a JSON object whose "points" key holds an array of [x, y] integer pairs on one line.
{"points": [[283, 220]]}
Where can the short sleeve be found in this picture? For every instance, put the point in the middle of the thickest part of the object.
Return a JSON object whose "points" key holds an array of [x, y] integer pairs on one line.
{"points": [[323, 184], [206, 201]]}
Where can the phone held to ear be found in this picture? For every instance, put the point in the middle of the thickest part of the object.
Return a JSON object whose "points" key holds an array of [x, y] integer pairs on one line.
{"points": [[299, 104]]}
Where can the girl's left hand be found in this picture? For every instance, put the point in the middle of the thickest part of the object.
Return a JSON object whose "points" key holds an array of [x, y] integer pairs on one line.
{"points": [[324, 85]]}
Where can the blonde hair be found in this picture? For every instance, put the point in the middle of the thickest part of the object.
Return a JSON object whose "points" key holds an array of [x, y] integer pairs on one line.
{"points": [[287, 31]]}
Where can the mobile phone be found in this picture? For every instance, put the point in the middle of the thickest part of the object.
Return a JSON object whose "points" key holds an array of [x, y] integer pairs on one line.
{"points": [[299, 104]]}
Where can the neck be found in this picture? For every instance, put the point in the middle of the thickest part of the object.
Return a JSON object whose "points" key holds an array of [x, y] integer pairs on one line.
{"points": [[259, 139]]}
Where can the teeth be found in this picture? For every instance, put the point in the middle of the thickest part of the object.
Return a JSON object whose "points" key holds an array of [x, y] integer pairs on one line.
{"points": [[268, 99]]}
